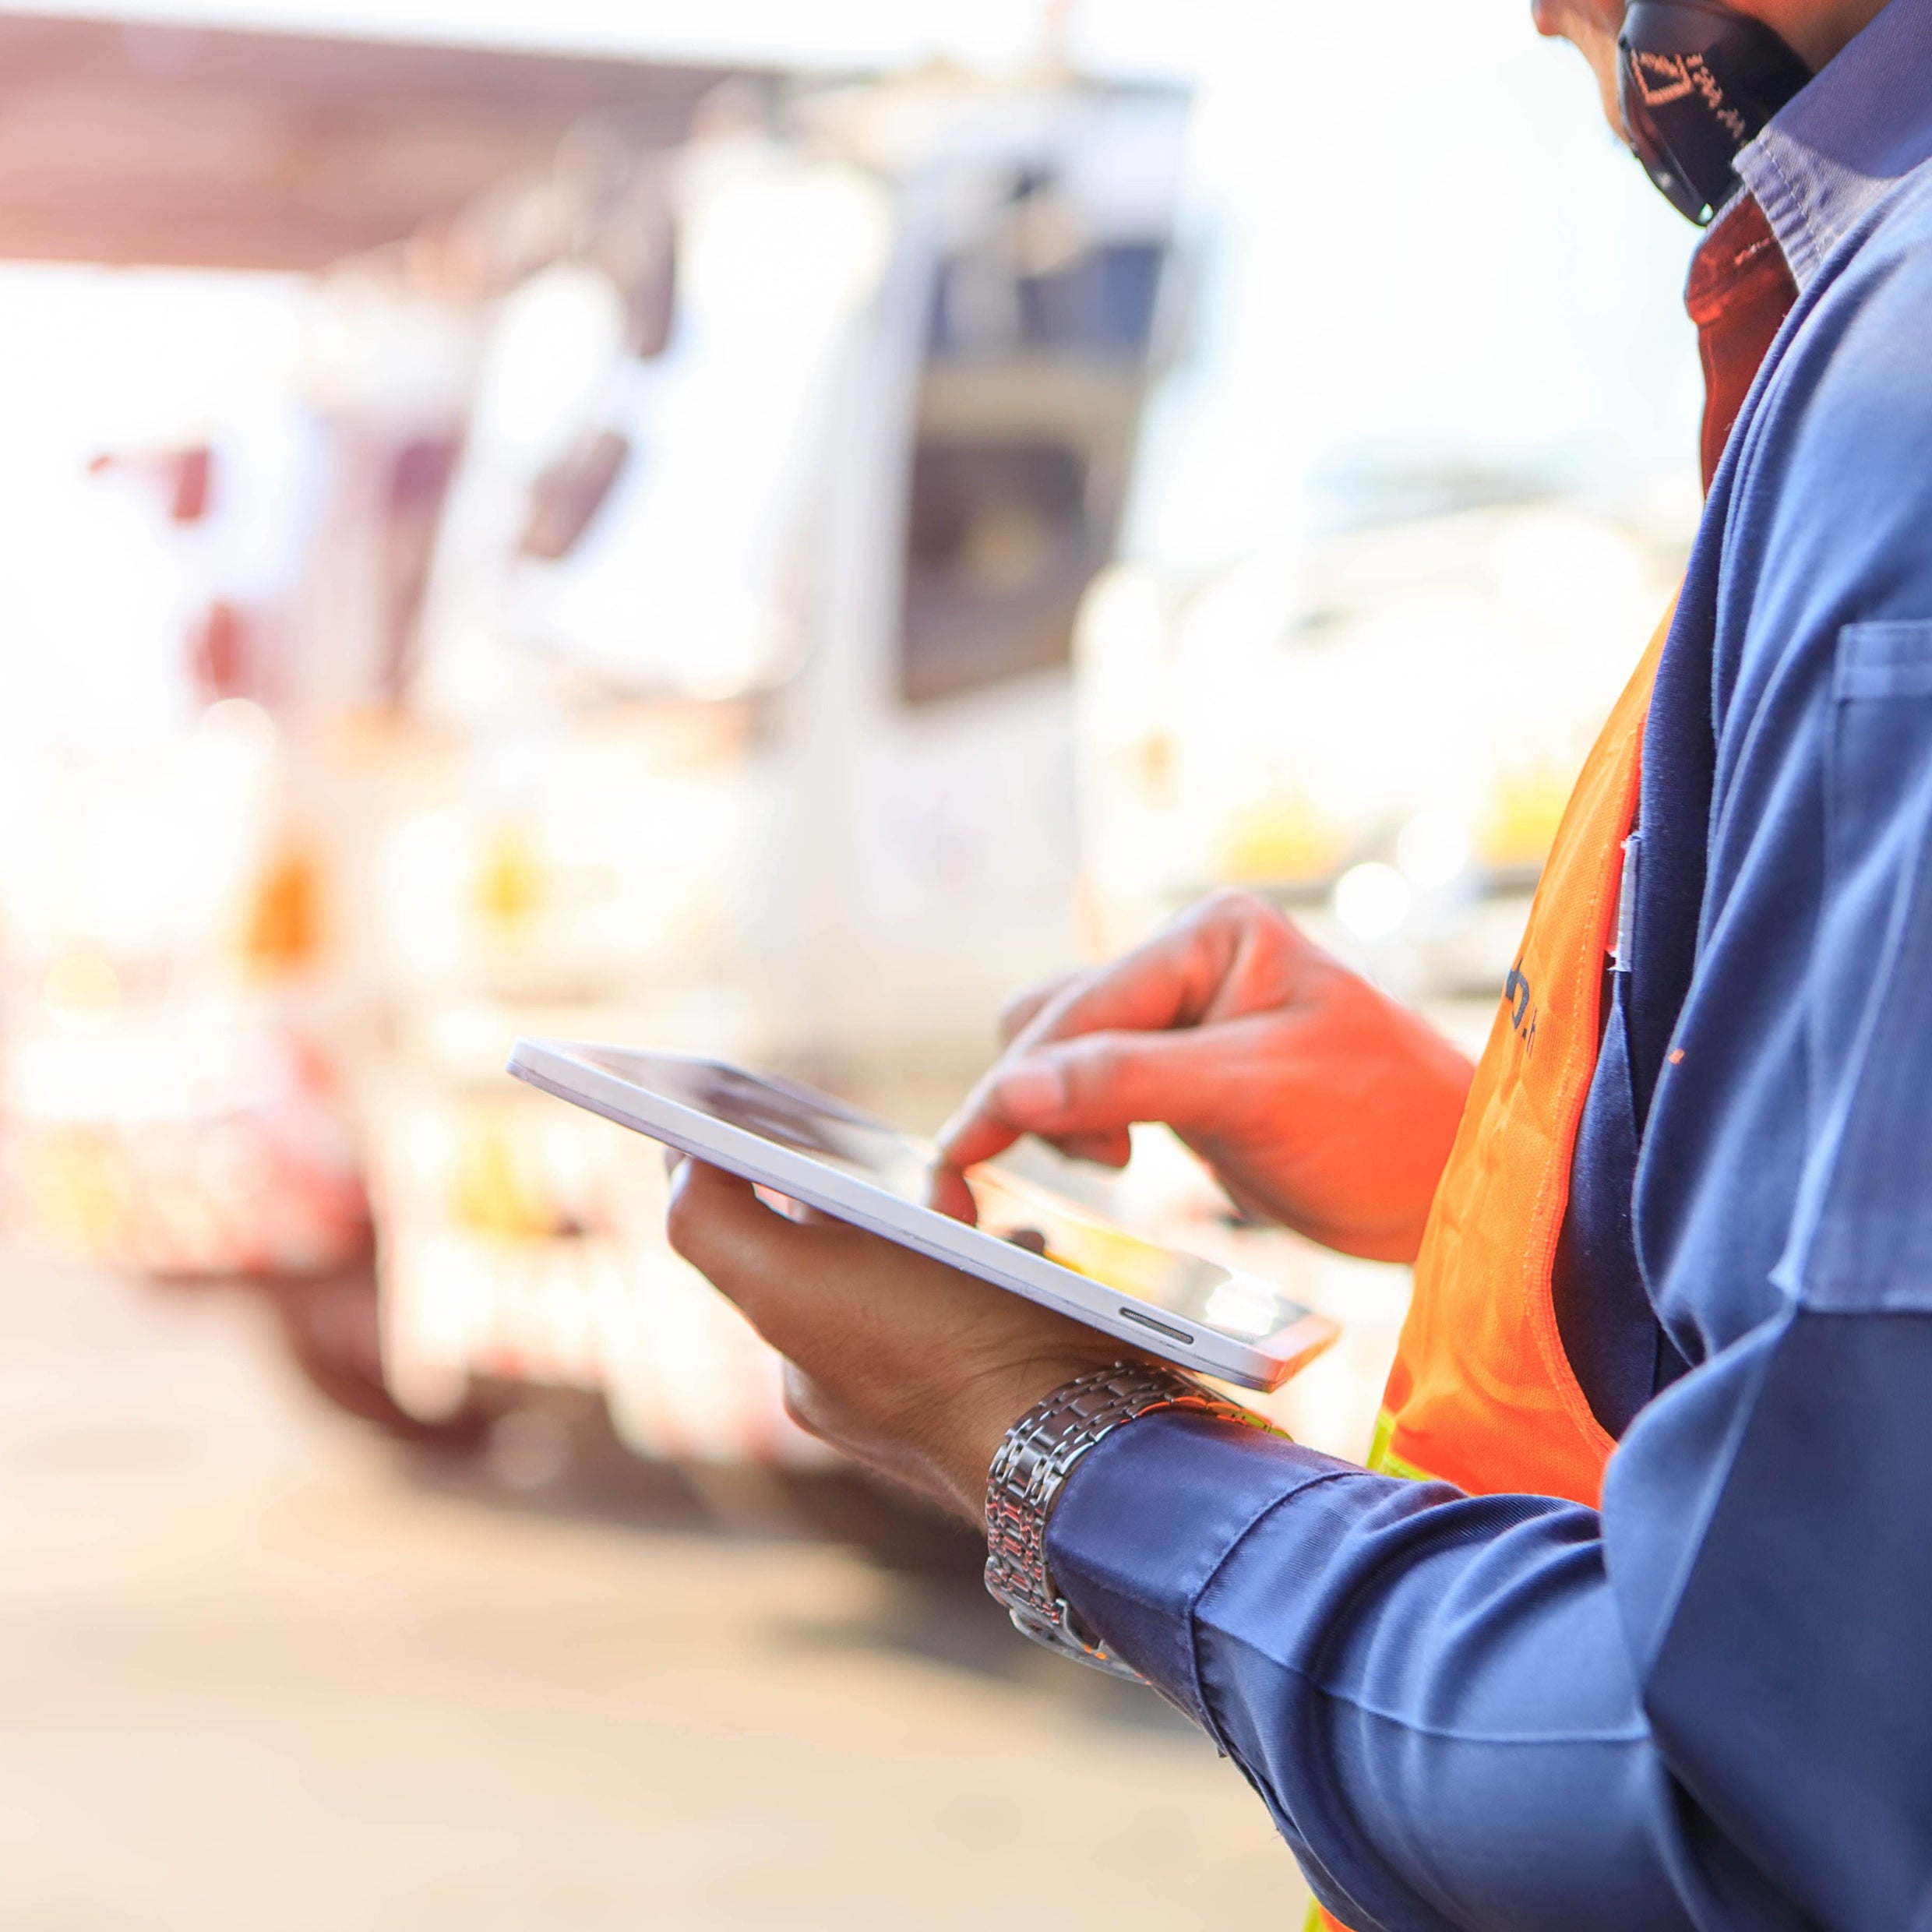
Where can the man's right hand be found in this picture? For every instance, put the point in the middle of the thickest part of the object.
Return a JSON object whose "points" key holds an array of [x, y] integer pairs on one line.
{"points": [[1318, 1101]]}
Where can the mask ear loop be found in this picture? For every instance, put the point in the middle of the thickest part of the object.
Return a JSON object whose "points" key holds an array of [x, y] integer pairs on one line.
{"points": [[1696, 81], [1651, 146]]}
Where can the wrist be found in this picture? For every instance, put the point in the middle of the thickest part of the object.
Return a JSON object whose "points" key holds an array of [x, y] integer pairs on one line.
{"points": [[993, 1403], [1036, 1460]]}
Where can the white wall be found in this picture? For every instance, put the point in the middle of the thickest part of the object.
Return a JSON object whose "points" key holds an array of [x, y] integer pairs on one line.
{"points": [[1423, 248]]}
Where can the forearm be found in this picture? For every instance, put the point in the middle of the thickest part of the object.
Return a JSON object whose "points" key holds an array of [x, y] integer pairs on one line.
{"points": [[1430, 1692]]}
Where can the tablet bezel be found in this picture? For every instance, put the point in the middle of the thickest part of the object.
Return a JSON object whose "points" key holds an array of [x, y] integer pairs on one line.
{"points": [[556, 1066]]}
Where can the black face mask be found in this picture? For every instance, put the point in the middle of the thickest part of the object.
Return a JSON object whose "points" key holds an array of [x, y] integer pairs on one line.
{"points": [[1697, 80]]}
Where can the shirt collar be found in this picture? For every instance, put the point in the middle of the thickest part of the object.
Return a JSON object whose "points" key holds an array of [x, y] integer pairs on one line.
{"points": [[1836, 147]]}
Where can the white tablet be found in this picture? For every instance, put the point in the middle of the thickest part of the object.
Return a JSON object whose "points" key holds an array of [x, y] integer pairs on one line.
{"points": [[813, 1148]]}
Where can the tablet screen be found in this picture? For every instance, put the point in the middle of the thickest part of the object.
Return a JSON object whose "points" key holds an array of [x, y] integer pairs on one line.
{"points": [[795, 1117], [816, 1124]]}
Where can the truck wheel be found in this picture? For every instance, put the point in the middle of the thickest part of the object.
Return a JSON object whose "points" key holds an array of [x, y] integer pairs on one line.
{"points": [[333, 1333]]}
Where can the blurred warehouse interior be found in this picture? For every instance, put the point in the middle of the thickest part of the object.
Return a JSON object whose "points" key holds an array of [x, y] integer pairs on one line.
{"points": [[759, 537]]}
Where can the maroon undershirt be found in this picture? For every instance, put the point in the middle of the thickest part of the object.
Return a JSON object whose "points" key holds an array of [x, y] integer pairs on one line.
{"points": [[1740, 292]]}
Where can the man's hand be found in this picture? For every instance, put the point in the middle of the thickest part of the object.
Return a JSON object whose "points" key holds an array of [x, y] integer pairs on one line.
{"points": [[1318, 1101], [910, 1366]]}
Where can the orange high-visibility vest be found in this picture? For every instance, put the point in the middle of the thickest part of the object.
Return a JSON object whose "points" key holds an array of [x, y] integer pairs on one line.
{"points": [[1482, 1394]]}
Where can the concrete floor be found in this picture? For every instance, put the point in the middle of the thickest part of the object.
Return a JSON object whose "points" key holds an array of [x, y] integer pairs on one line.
{"points": [[260, 1671]]}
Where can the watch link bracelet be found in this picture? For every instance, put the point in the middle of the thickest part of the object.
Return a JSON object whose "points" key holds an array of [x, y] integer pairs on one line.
{"points": [[1027, 1475]]}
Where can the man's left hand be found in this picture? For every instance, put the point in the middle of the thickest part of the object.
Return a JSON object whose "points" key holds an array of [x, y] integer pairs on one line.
{"points": [[909, 1365]]}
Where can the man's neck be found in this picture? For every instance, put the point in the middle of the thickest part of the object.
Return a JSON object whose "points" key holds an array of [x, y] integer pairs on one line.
{"points": [[1816, 31]]}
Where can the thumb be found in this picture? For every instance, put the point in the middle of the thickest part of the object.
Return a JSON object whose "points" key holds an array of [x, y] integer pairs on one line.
{"points": [[750, 1254]]}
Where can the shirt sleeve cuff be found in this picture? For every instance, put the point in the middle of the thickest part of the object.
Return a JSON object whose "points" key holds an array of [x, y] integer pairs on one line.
{"points": [[1147, 1518]]}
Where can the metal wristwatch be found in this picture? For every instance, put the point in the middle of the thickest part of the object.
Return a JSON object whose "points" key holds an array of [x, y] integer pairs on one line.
{"points": [[1031, 1469]]}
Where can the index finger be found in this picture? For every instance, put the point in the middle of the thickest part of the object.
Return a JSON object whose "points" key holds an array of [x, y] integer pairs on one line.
{"points": [[1018, 1012], [1228, 953]]}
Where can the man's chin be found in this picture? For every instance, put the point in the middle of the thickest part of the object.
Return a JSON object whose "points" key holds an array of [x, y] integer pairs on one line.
{"points": [[1591, 26]]}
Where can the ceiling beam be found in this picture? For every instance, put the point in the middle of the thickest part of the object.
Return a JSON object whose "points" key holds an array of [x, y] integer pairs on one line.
{"points": [[199, 147]]}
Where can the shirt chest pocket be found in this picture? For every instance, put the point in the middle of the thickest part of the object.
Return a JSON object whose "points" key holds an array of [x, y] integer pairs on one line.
{"points": [[1878, 775], [1870, 1017]]}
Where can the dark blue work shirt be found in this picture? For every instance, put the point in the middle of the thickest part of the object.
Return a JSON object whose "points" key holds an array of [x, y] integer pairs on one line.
{"points": [[1710, 1703]]}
